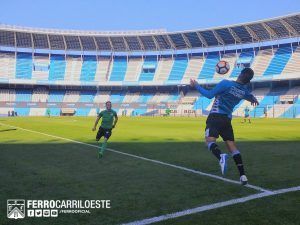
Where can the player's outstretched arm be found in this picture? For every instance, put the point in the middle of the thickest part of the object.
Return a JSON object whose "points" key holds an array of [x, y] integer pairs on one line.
{"points": [[252, 99], [209, 93], [96, 123], [115, 120]]}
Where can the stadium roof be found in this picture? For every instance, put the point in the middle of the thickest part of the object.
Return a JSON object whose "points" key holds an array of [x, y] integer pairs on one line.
{"points": [[151, 40]]}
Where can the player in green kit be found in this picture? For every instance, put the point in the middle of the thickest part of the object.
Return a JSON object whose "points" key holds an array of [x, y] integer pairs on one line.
{"points": [[109, 121], [48, 112]]}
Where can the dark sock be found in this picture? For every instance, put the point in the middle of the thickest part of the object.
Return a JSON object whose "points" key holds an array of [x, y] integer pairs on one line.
{"points": [[214, 148], [239, 163]]}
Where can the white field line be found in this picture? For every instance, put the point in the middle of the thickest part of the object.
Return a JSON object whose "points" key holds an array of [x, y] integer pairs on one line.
{"points": [[147, 159], [212, 206]]}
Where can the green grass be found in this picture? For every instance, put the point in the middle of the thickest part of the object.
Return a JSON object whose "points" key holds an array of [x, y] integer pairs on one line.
{"points": [[34, 166]]}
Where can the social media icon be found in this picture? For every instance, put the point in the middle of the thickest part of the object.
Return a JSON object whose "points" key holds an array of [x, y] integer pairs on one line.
{"points": [[46, 213], [54, 213], [38, 213], [30, 213]]}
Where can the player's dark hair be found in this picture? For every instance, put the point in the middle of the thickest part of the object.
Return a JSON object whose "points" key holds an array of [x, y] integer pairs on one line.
{"points": [[246, 75], [107, 102]]}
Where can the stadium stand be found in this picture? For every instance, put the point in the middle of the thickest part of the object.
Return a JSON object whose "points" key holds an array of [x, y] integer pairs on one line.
{"points": [[193, 68], [208, 69], [57, 67], [88, 68], [134, 68], [148, 72], [24, 65], [118, 69], [103, 69], [279, 61], [73, 68], [7, 65], [148, 69], [179, 68], [41, 64], [262, 60], [164, 68]]}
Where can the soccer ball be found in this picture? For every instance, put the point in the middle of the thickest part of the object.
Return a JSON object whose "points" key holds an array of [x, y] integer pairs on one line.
{"points": [[222, 67]]}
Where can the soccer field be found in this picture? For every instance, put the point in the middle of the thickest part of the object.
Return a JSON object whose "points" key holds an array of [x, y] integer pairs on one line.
{"points": [[166, 169]]}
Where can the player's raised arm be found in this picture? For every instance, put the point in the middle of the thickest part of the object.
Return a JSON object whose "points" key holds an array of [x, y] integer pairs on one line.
{"points": [[250, 98], [209, 93], [96, 122]]}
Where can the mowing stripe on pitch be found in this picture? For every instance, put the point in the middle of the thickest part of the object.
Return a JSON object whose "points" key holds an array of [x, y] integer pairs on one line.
{"points": [[146, 159], [212, 206]]}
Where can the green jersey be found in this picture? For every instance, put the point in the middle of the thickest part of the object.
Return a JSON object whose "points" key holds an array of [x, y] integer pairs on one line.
{"points": [[107, 118], [168, 111]]}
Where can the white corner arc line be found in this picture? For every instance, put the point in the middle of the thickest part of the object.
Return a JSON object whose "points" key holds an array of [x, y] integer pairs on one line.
{"points": [[147, 159], [211, 206]]}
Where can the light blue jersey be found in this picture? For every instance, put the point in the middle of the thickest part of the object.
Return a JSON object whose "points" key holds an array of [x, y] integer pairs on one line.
{"points": [[246, 111], [227, 95]]}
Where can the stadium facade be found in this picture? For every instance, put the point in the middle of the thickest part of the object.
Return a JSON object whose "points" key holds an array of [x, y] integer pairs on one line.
{"points": [[146, 72]]}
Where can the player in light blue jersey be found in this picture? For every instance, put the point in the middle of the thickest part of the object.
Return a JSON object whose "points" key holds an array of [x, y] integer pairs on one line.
{"points": [[247, 115], [227, 95]]}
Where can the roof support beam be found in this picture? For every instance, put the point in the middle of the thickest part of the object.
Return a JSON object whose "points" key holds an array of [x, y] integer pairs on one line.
{"points": [[65, 43], [111, 45], [141, 43], [291, 30], [48, 40], [252, 33], [171, 42], [126, 44], [96, 45], [156, 44], [32, 42], [187, 42], [219, 39], [202, 39], [270, 31], [80, 45], [15, 37], [234, 35]]}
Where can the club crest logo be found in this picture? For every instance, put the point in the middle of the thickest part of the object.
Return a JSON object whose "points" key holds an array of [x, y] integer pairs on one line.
{"points": [[15, 208]]}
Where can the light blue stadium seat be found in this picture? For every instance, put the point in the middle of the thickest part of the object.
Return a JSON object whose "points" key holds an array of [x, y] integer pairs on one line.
{"points": [[279, 61], [22, 111], [209, 66], [202, 103], [246, 56], [117, 97], [24, 65], [82, 111], [56, 96], [148, 63], [289, 112], [266, 102], [87, 96], [140, 112], [57, 67], [178, 69], [23, 95], [88, 69], [119, 69], [144, 98]]}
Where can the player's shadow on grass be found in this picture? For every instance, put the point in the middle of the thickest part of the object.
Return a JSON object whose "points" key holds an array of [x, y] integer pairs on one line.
{"points": [[12, 129]]}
